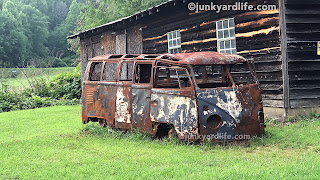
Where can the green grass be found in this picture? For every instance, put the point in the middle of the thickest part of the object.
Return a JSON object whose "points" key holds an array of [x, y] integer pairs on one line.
{"points": [[52, 143], [21, 81]]}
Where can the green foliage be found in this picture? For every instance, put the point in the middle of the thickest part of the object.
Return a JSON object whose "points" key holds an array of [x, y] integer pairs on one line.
{"points": [[96, 13], [66, 85], [36, 30], [13, 42], [68, 23], [64, 89]]}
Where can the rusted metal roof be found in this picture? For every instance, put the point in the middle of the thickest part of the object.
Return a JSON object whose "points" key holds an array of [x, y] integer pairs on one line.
{"points": [[194, 58], [207, 57], [131, 18]]}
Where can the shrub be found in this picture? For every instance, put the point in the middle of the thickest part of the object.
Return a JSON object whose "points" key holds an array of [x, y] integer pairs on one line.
{"points": [[64, 89]]}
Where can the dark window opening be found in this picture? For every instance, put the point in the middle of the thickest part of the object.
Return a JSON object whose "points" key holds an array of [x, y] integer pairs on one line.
{"points": [[95, 73], [212, 76], [110, 72], [143, 73], [241, 74], [115, 56], [171, 78], [126, 71]]}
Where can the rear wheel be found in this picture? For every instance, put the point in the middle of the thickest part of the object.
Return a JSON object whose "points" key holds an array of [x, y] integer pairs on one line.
{"points": [[172, 134], [102, 123]]}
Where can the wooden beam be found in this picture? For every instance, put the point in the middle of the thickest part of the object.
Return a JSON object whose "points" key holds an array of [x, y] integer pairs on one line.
{"points": [[284, 57]]}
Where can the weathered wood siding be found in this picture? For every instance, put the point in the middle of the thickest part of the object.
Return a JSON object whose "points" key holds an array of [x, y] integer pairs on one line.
{"points": [[303, 31], [110, 42], [89, 48], [257, 36]]}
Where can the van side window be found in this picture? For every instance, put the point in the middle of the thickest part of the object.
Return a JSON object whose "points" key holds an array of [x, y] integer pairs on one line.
{"points": [[183, 78], [110, 72], [211, 76], [241, 74], [143, 73], [95, 73], [171, 78], [126, 71]]}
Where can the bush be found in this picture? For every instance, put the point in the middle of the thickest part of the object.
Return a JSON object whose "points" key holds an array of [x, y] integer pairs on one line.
{"points": [[64, 89]]}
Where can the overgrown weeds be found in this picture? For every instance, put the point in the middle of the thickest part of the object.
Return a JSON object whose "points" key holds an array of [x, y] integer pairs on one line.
{"points": [[64, 89]]}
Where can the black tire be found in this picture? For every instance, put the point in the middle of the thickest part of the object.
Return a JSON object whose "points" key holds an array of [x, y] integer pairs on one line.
{"points": [[102, 123], [172, 134]]}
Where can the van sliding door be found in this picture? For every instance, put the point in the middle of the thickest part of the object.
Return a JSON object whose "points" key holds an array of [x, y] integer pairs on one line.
{"points": [[173, 100], [141, 92]]}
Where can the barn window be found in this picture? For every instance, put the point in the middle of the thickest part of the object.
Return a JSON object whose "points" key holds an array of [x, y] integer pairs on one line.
{"points": [[226, 36], [174, 42]]}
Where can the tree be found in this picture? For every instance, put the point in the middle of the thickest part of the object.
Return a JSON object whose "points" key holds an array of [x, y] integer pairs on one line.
{"points": [[32, 23], [12, 43], [96, 13], [57, 41]]}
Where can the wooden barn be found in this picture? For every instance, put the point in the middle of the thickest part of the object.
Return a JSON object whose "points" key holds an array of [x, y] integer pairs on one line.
{"points": [[281, 41]]}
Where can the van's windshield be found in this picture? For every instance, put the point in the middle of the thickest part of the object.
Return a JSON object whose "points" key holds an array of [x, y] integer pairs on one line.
{"points": [[214, 76]]}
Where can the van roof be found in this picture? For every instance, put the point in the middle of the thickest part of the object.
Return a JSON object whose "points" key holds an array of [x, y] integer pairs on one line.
{"points": [[194, 58]]}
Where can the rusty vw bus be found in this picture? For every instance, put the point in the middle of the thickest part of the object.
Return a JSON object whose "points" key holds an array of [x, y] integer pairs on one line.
{"points": [[198, 96]]}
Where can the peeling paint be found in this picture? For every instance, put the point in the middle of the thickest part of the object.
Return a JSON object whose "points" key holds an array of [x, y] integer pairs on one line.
{"points": [[122, 105], [174, 109], [231, 104]]}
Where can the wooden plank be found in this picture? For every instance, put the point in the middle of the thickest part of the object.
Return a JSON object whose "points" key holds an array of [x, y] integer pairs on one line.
{"points": [[308, 102], [272, 103], [283, 23], [299, 2]]}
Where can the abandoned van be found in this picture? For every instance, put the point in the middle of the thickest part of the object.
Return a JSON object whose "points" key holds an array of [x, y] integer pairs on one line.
{"points": [[197, 96]]}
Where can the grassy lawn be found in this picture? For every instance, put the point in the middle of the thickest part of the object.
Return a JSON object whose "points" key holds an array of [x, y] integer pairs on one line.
{"points": [[52, 143], [21, 81]]}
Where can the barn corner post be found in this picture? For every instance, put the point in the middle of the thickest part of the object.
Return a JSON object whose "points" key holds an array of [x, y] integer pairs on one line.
{"points": [[284, 59]]}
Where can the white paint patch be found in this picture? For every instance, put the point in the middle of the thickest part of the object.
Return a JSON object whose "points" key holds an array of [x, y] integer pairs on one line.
{"points": [[166, 112], [232, 105], [122, 112]]}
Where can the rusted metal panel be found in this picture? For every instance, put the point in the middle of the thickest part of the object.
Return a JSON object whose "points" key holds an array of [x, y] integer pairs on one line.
{"points": [[237, 107], [107, 92], [168, 106], [141, 105]]}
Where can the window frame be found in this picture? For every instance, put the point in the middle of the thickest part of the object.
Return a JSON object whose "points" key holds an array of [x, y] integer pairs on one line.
{"points": [[90, 71], [120, 71], [155, 80], [104, 70], [233, 50], [177, 39], [136, 73]]}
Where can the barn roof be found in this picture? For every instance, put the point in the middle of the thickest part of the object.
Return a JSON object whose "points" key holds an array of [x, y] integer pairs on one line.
{"points": [[132, 18]]}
